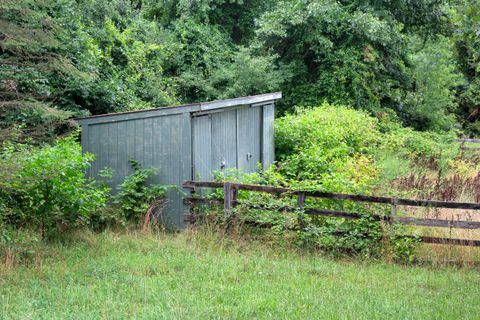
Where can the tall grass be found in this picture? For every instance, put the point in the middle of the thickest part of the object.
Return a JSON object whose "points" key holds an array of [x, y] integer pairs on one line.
{"points": [[198, 274]]}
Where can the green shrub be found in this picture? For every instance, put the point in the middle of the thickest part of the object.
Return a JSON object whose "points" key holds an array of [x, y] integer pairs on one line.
{"points": [[327, 148], [47, 187], [135, 195]]}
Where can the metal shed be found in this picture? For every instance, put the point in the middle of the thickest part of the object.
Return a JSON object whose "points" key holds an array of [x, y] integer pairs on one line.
{"points": [[184, 142]]}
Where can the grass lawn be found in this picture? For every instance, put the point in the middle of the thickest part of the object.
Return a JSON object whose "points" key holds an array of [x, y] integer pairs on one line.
{"points": [[199, 275]]}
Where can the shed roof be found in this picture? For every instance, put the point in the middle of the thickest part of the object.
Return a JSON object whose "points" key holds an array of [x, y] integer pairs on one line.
{"points": [[202, 106]]}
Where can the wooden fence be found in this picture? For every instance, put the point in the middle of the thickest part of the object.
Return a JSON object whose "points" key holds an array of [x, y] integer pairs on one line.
{"points": [[230, 191], [463, 147]]}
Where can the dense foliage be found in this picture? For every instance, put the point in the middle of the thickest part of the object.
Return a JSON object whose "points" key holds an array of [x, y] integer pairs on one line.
{"points": [[134, 195], [63, 58], [46, 188]]}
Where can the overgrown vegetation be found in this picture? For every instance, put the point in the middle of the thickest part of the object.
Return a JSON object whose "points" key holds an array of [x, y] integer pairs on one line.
{"points": [[45, 194], [135, 195], [338, 149], [46, 188]]}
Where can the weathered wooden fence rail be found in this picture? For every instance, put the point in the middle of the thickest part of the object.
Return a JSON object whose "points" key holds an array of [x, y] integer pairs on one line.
{"points": [[230, 200], [463, 147], [468, 140]]}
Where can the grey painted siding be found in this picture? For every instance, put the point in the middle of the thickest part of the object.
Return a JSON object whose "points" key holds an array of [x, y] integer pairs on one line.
{"points": [[249, 138], [268, 143], [182, 143]]}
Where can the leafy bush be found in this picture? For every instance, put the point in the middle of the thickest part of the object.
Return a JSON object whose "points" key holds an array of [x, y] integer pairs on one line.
{"points": [[135, 196], [46, 187], [328, 147]]}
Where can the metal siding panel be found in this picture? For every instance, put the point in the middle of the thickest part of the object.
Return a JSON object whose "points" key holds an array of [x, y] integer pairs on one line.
{"points": [[168, 152], [186, 168], [93, 147], [268, 144], [147, 144], [122, 152], [130, 145], [202, 148], [111, 152], [166, 142], [157, 150], [102, 138], [176, 135], [224, 141], [249, 138], [138, 154], [84, 138]]}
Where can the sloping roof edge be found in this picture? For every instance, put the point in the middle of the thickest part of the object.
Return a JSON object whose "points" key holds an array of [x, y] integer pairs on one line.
{"points": [[203, 106]]}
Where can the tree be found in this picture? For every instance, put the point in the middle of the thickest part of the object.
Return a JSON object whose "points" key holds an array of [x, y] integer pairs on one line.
{"points": [[29, 58], [352, 52], [467, 43]]}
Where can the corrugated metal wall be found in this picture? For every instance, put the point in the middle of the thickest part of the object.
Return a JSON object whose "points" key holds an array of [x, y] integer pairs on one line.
{"points": [[183, 144]]}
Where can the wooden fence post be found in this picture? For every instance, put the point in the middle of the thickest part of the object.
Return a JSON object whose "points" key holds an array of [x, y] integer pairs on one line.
{"points": [[227, 199], [301, 204], [393, 212]]}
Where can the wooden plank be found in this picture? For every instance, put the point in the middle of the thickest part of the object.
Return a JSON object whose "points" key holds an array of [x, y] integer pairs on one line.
{"points": [[227, 199], [468, 140], [301, 204], [458, 224], [457, 242], [439, 204], [202, 184], [350, 215], [339, 214], [194, 201]]}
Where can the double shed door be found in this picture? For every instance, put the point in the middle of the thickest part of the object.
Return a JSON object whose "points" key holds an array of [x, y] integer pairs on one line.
{"points": [[226, 139]]}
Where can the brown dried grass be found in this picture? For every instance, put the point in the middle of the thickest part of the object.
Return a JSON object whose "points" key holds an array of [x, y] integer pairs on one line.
{"points": [[455, 187]]}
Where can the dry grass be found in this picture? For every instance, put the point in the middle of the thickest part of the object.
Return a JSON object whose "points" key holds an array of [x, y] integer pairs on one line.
{"points": [[455, 187]]}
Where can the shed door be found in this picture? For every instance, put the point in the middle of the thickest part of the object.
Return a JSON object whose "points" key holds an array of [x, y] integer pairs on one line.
{"points": [[202, 147], [227, 139], [249, 139]]}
